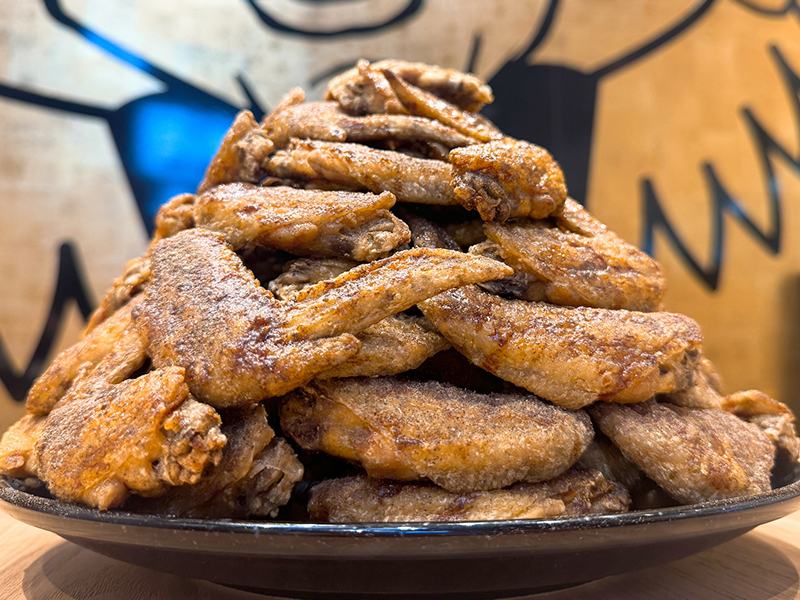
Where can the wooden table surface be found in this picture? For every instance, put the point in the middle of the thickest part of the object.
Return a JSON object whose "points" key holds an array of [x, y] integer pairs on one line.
{"points": [[761, 565]]}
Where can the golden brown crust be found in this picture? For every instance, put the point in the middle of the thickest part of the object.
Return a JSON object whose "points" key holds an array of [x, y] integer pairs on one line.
{"points": [[506, 179], [241, 155], [772, 416], [17, 447], [358, 499], [116, 344], [571, 356], [693, 454], [575, 269], [461, 440], [358, 167], [206, 312], [106, 441], [304, 222]]}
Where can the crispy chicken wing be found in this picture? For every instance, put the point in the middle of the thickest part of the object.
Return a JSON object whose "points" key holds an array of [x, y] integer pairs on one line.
{"points": [[576, 269], [571, 356], [506, 179], [205, 311], [303, 222], [18, 447], [174, 216], [116, 343], [105, 441], [359, 167], [393, 345], [364, 89], [360, 499], [241, 155], [461, 440], [326, 121], [694, 454], [255, 476], [773, 417], [417, 101], [130, 284]]}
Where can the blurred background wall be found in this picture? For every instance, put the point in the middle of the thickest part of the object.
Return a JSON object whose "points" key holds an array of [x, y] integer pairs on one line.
{"points": [[677, 123]]}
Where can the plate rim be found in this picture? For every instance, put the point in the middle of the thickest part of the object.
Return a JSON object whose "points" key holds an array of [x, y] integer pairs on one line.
{"points": [[10, 495]]}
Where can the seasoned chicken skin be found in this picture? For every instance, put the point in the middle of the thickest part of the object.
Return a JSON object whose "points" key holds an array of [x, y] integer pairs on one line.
{"points": [[571, 356], [506, 179], [116, 342], [141, 436], [255, 476], [359, 167], [303, 222], [773, 417], [693, 454], [396, 344], [574, 268], [205, 311], [461, 440], [326, 121], [241, 155], [364, 90], [361, 499], [18, 447]]}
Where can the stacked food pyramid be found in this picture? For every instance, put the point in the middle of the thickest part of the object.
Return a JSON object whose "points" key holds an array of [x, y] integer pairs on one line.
{"points": [[385, 279]]}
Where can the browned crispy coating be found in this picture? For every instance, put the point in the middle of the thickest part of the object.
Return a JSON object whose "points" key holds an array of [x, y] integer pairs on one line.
{"points": [[772, 416], [704, 391], [603, 456], [359, 167], [417, 101], [394, 345], [106, 441], [205, 311], [359, 499], [241, 155], [326, 121], [571, 356], [131, 283], [693, 454], [506, 179], [575, 269], [391, 346], [461, 440], [174, 216], [17, 447], [363, 89], [255, 476], [116, 343], [304, 222]]}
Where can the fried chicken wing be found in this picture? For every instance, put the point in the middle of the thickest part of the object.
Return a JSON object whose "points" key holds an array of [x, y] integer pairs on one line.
{"points": [[461, 440], [255, 476], [303, 222], [694, 454], [506, 179], [365, 90], [417, 101], [18, 447], [139, 436], [241, 155], [359, 167], [394, 345], [361, 499], [571, 356], [575, 269], [174, 216], [705, 391], [326, 121], [773, 417], [116, 342], [205, 311], [130, 284]]}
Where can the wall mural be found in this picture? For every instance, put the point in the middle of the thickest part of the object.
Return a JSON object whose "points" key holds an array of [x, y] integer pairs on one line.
{"points": [[164, 140]]}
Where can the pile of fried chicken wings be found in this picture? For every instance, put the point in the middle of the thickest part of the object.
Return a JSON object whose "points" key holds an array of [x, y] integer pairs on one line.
{"points": [[378, 307]]}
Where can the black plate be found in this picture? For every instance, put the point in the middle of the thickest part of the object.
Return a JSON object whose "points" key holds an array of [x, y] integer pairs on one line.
{"points": [[439, 560]]}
